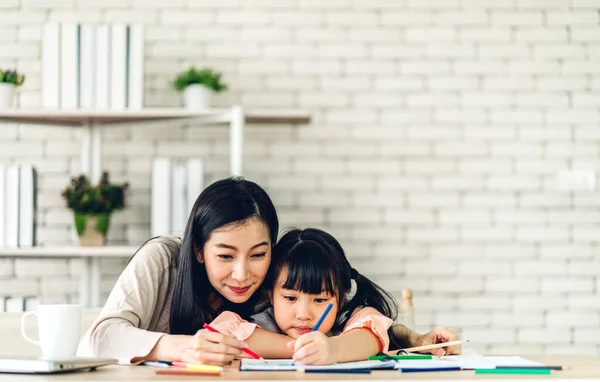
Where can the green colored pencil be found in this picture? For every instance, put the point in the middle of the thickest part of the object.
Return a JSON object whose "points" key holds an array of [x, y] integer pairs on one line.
{"points": [[513, 371], [387, 357]]}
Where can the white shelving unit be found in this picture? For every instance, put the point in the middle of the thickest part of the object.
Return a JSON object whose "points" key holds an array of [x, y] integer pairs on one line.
{"points": [[90, 280], [91, 158]]}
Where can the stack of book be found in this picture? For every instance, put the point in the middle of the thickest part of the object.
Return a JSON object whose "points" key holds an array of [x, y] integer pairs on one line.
{"points": [[93, 66], [17, 206], [176, 183]]}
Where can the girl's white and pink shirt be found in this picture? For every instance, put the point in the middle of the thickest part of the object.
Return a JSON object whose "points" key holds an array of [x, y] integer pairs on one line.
{"points": [[362, 318]]}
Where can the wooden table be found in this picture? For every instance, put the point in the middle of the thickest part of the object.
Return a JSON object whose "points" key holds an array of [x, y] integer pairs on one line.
{"points": [[582, 367]]}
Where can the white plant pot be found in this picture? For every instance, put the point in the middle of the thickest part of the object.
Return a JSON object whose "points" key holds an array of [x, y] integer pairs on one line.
{"points": [[196, 97], [7, 93]]}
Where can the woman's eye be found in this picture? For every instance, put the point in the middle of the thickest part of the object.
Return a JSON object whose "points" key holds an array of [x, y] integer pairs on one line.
{"points": [[225, 257], [259, 255], [290, 298]]}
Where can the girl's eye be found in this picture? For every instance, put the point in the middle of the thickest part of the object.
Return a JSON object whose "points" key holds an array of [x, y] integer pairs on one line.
{"points": [[225, 257], [290, 298], [259, 255], [320, 300]]}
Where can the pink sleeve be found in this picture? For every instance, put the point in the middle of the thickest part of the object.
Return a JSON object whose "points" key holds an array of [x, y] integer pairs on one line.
{"points": [[371, 319], [233, 325]]}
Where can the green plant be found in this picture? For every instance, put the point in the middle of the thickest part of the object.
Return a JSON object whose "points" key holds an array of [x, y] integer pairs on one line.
{"points": [[11, 77], [104, 197], [205, 76]]}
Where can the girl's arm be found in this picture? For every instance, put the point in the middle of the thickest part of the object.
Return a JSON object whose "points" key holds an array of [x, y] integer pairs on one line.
{"points": [[263, 342], [270, 345]]}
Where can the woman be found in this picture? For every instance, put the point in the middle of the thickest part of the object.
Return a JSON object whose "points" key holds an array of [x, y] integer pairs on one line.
{"points": [[172, 286]]}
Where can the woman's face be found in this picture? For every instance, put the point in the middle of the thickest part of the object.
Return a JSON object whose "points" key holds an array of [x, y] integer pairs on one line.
{"points": [[237, 258]]}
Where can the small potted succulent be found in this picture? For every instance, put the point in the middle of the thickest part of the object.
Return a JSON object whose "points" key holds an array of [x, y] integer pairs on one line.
{"points": [[197, 86], [93, 205], [9, 80]]}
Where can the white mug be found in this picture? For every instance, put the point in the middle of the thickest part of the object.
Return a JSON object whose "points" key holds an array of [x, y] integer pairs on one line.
{"points": [[59, 329]]}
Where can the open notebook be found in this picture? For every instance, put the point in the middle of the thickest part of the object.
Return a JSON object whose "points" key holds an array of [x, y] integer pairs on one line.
{"points": [[289, 365]]}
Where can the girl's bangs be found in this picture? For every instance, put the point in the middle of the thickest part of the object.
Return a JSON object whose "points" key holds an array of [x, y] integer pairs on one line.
{"points": [[309, 269]]}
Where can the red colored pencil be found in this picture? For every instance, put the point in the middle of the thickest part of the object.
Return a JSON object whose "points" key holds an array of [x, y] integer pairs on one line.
{"points": [[246, 350]]}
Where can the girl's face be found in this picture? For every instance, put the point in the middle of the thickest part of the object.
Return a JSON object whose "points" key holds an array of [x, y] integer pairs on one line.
{"points": [[296, 313], [237, 259]]}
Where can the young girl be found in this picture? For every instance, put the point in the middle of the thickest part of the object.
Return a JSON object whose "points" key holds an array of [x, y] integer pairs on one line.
{"points": [[311, 272]]}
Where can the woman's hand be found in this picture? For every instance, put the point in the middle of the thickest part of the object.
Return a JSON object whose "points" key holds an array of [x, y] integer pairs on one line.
{"points": [[437, 335], [315, 348], [204, 347]]}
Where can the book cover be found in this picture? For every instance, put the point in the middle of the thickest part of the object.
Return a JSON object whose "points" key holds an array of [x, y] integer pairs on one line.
{"points": [[51, 65], [11, 228], [69, 65], [160, 205], [178, 199], [87, 61], [195, 181], [27, 204], [118, 66], [102, 67], [135, 68], [2, 206]]}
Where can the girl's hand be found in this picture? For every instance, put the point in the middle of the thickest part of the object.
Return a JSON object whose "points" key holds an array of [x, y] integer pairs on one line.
{"points": [[210, 348], [315, 348]]}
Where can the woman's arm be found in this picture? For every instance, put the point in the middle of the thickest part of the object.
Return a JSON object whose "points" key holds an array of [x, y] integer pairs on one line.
{"points": [[409, 338]]}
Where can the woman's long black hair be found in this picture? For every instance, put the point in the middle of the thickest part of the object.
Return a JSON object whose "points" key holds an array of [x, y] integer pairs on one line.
{"points": [[225, 202], [315, 262]]}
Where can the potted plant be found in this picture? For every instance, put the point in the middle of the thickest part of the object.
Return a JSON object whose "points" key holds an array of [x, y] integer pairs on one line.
{"points": [[197, 86], [9, 80], [93, 205]]}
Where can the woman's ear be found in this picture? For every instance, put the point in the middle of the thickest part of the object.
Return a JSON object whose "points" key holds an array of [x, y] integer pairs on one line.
{"points": [[199, 255]]}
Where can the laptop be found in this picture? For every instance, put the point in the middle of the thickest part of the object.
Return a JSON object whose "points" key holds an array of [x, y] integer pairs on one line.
{"points": [[41, 365]]}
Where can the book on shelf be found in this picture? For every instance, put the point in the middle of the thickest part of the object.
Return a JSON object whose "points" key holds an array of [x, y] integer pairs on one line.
{"points": [[93, 66], [102, 67], [27, 205], [51, 65], [69, 65], [87, 69]]}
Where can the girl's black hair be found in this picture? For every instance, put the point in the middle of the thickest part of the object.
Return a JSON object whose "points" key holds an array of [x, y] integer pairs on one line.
{"points": [[315, 262], [230, 201]]}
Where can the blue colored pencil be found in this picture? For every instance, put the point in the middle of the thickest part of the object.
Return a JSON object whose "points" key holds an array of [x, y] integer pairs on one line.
{"points": [[316, 327], [427, 369], [160, 365]]}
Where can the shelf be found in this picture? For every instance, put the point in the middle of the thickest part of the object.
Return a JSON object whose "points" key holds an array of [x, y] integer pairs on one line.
{"points": [[70, 251], [80, 117]]}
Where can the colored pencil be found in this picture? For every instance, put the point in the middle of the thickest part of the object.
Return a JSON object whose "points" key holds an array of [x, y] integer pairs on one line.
{"points": [[322, 318], [427, 347], [428, 369], [398, 357], [534, 367], [204, 368], [160, 365], [246, 350], [336, 371], [513, 371], [184, 371]]}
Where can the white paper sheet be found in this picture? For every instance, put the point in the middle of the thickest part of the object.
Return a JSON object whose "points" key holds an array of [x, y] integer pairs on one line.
{"points": [[480, 362]]}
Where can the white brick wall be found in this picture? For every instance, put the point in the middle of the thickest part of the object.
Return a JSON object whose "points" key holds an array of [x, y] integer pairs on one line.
{"points": [[439, 127]]}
